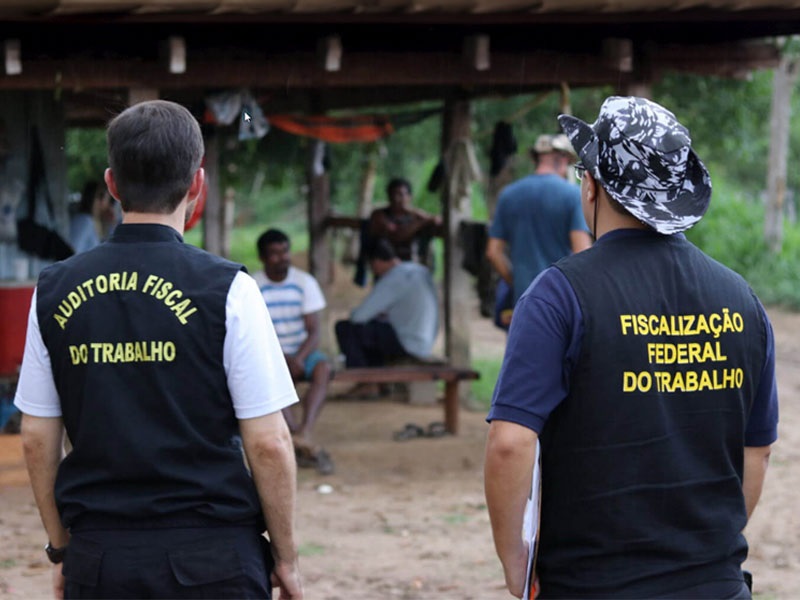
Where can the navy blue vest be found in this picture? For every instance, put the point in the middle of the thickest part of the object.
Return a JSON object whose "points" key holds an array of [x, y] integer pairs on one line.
{"points": [[135, 331], [643, 461]]}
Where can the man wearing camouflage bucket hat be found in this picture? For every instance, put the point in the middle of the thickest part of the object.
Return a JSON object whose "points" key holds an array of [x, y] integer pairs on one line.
{"points": [[646, 371]]}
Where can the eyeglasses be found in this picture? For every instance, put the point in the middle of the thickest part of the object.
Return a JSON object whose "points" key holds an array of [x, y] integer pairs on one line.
{"points": [[579, 171]]}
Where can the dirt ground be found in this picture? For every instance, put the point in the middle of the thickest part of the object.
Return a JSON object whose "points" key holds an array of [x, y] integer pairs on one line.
{"points": [[408, 520]]}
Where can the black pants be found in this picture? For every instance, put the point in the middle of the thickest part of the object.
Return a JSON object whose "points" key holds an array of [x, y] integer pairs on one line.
{"points": [[369, 344], [207, 562]]}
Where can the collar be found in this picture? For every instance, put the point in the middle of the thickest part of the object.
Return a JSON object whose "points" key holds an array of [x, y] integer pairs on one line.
{"points": [[618, 234], [145, 232]]}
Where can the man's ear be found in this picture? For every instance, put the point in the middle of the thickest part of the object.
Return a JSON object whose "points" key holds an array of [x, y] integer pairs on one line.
{"points": [[111, 183], [591, 187], [196, 187]]}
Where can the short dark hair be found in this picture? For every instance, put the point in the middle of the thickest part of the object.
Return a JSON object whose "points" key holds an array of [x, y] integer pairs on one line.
{"points": [[381, 249], [154, 150], [270, 236], [397, 182]]}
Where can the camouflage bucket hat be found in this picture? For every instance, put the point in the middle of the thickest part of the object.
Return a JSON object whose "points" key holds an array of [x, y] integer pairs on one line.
{"points": [[639, 152]]}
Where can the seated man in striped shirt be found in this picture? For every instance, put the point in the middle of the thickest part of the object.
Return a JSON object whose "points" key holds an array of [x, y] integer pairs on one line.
{"points": [[294, 301]]}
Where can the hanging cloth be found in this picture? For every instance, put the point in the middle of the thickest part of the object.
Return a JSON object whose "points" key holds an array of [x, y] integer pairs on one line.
{"points": [[358, 128]]}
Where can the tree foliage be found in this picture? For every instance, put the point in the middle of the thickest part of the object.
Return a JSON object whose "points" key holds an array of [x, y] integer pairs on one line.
{"points": [[729, 123]]}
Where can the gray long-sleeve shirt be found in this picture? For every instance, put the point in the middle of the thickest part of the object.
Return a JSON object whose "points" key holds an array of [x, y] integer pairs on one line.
{"points": [[404, 296]]}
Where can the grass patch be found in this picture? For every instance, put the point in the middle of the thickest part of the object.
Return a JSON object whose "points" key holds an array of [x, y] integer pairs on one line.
{"points": [[483, 388], [455, 518], [310, 549]]}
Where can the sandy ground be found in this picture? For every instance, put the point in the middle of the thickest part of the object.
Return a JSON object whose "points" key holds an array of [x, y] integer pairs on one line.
{"points": [[408, 519]]}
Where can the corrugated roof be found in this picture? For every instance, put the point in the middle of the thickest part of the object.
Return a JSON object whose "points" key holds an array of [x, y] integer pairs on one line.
{"points": [[364, 7]]}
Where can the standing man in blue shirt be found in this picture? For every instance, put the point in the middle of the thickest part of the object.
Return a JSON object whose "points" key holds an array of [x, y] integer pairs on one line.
{"points": [[538, 218], [647, 371]]}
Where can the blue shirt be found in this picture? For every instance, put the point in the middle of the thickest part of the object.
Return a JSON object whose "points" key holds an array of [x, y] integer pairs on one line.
{"points": [[405, 297], [82, 233], [544, 344], [535, 216]]}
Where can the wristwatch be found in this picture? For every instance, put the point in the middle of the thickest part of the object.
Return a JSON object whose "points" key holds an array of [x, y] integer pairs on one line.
{"points": [[55, 555]]}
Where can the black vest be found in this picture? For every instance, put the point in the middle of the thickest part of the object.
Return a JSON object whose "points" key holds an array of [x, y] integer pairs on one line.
{"points": [[135, 331], [643, 461]]}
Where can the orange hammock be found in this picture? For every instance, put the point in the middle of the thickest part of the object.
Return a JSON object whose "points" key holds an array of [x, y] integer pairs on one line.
{"points": [[357, 128]]}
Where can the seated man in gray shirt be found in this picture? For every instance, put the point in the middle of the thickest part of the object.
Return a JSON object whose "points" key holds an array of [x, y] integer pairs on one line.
{"points": [[399, 317]]}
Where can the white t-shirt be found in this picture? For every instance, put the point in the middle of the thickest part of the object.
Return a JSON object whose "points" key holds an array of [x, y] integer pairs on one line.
{"points": [[288, 302], [258, 378]]}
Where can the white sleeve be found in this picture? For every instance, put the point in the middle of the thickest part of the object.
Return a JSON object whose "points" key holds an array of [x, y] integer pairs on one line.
{"points": [[36, 390], [313, 300], [258, 378]]}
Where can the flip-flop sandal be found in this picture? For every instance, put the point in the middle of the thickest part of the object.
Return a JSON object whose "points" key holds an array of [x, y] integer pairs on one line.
{"points": [[436, 429], [409, 432], [324, 463]]}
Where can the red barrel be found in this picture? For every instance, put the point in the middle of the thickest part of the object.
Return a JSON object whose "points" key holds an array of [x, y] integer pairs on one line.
{"points": [[15, 301]]}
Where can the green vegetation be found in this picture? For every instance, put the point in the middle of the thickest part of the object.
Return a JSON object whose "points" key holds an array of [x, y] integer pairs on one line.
{"points": [[731, 232], [482, 389], [455, 518], [310, 549]]}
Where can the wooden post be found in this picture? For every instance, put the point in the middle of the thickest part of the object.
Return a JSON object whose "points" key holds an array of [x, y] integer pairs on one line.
{"points": [[366, 192], [319, 262], [640, 73], [212, 217], [228, 210], [457, 288], [642, 89], [780, 117]]}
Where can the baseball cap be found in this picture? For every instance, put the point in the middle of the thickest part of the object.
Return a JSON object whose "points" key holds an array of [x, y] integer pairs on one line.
{"points": [[642, 156], [546, 143]]}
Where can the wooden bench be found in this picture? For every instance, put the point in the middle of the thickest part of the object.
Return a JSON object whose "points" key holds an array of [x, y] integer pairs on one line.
{"points": [[451, 376]]}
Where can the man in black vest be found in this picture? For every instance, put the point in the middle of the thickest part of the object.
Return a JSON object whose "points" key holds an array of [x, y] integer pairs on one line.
{"points": [[646, 371], [161, 362]]}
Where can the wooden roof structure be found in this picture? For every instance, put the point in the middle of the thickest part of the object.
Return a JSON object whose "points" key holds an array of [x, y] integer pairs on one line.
{"points": [[314, 55]]}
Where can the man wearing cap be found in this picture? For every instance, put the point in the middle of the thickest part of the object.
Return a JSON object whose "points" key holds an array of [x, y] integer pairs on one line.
{"points": [[538, 218], [162, 364], [646, 371]]}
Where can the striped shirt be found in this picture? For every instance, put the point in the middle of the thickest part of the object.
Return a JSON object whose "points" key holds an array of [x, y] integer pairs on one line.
{"points": [[288, 302]]}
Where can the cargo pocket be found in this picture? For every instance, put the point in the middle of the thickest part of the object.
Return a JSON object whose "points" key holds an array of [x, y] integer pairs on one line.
{"points": [[82, 562], [201, 566]]}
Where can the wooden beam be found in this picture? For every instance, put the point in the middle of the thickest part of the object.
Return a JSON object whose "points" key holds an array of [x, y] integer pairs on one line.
{"points": [[301, 71], [13, 57], [330, 50], [176, 48], [723, 60], [476, 52]]}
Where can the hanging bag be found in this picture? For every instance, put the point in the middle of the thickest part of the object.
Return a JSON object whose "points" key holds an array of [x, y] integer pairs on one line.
{"points": [[33, 237]]}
